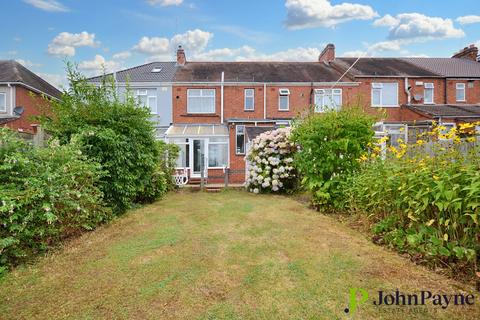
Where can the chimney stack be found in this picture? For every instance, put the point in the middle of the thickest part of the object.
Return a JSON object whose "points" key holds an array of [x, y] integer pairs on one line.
{"points": [[470, 53], [328, 54], [181, 56]]}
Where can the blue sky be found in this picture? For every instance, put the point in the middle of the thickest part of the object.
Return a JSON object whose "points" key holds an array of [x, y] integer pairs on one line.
{"points": [[123, 33]]}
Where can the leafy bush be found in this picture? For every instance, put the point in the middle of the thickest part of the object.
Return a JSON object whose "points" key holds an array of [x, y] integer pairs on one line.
{"points": [[330, 144], [422, 202], [270, 162], [47, 194], [114, 131]]}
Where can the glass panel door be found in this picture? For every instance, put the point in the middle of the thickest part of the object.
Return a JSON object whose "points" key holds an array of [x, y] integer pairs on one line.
{"points": [[199, 155]]}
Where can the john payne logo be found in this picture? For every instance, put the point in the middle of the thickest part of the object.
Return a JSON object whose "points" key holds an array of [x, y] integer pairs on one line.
{"points": [[359, 296]]}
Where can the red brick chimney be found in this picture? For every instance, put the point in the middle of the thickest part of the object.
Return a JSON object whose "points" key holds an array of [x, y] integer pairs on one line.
{"points": [[470, 53], [181, 56], [328, 54]]}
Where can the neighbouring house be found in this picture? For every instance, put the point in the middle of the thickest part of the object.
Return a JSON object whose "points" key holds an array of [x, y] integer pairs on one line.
{"points": [[22, 96], [151, 84], [416, 91]]}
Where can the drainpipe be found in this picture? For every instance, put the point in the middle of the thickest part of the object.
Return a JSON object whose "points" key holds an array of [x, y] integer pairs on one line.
{"points": [[264, 101], [407, 91], [221, 97]]}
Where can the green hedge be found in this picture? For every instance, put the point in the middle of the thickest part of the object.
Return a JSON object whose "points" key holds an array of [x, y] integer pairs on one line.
{"points": [[47, 194]]}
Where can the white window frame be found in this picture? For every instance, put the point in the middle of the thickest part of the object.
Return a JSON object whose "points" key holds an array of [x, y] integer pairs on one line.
{"points": [[244, 141], [249, 96], [4, 107], [189, 91], [379, 86], [283, 93], [209, 143], [321, 94], [144, 92], [428, 86], [460, 86]]}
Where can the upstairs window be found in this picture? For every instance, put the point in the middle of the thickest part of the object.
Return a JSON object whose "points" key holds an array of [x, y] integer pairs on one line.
{"points": [[148, 98], [328, 99], [201, 100], [3, 102], [460, 91], [240, 140], [385, 94], [249, 99], [283, 99], [428, 93]]}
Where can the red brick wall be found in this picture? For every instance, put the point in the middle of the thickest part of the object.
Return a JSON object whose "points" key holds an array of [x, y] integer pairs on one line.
{"points": [[472, 95], [33, 105], [234, 105]]}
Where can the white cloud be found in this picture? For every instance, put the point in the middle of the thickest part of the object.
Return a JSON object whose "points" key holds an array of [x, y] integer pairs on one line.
{"points": [[122, 55], [386, 21], [303, 14], [64, 43], [419, 27], [151, 46], [247, 53], [47, 5], [98, 65], [165, 3], [468, 19], [57, 80], [193, 41], [28, 63]]}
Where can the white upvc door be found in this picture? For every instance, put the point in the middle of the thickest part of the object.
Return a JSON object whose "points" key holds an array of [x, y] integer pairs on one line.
{"points": [[198, 157]]}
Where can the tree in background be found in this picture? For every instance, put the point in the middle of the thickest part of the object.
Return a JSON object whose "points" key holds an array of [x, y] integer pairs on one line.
{"points": [[115, 132]]}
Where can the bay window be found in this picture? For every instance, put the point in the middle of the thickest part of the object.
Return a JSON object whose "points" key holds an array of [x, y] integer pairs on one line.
{"points": [[328, 99], [201, 100], [385, 94]]}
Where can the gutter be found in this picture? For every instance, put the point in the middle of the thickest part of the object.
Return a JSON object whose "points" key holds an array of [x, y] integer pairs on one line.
{"points": [[30, 88]]}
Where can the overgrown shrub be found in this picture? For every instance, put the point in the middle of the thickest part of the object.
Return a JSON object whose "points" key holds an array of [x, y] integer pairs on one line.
{"points": [[47, 194], [422, 200], [330, 144], [271, 162], [114, 131]]}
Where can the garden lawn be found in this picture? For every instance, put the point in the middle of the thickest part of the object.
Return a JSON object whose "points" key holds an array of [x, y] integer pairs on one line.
{"points": [[229, 255]]}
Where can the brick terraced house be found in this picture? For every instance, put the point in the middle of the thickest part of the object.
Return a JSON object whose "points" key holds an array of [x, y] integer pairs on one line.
{"points": [[217, 108], [22, 94]]}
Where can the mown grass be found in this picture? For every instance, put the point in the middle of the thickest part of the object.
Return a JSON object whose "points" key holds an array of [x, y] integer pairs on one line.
{"points": [[231, 255]]}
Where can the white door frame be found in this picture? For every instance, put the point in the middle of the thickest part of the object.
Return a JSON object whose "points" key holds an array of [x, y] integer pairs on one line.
{"points": [[205, 159]]}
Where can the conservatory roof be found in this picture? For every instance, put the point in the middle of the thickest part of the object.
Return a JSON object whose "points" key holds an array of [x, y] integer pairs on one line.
{"points": [[196, 130]]}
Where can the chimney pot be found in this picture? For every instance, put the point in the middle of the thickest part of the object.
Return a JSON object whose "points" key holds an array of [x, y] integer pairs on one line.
{"points": [[181, 59]]}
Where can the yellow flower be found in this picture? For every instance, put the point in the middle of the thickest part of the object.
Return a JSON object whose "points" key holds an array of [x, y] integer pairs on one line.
{"points": [[363, 157], [435, 178], [471, 139], [420, 142]]}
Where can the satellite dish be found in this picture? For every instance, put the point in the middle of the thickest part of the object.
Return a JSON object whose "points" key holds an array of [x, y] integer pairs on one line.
{"points": [[18, 110], [417, 97]]}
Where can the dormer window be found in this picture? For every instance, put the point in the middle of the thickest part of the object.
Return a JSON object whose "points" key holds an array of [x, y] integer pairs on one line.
{"points": [[428, 93], [283, 99]]}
